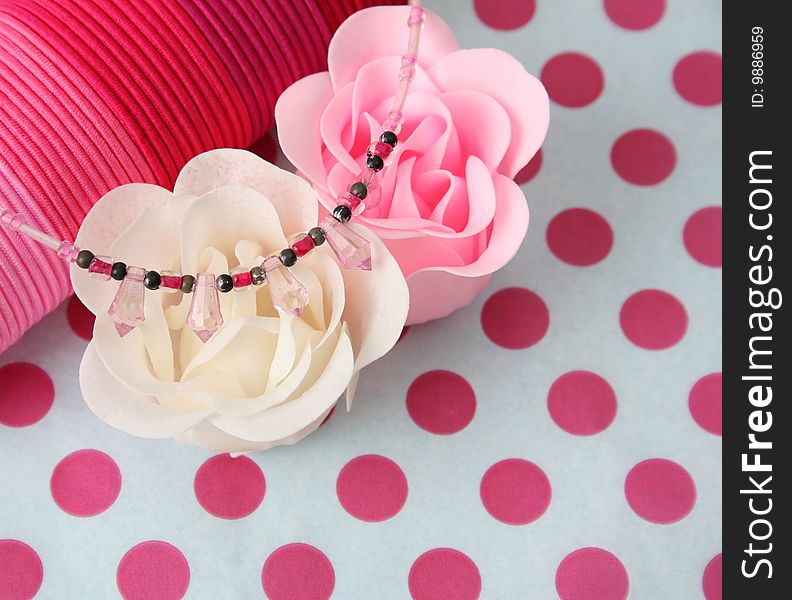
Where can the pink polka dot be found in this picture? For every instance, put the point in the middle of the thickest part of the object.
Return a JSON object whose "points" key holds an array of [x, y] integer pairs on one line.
{"points": [[515, 318], [705, 403], [372, 488], [698, 78], [85, 483], [515, 491], [653, 319], [81, 320], [530, 170], [505, 14], [660, 491], [580, 237], [591, 574], [703, 236], [444, 573], [153, 570], [21, 573], [26, 394], [635, 14], [441, 402], [298, 572], [643, 157], [712, 580], [572, 79], [582, 403], [229, 488]]}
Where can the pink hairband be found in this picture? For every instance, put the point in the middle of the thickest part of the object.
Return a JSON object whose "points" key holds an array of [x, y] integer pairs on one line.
{"points": [[287, 293]]}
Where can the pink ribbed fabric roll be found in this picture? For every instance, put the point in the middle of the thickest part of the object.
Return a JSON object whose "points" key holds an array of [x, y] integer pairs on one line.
{"points": [[98, 93]]}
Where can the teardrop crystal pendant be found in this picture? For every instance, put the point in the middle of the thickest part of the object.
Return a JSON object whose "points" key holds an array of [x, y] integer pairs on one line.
{"points": [[205, 317], [126, 310], [286, 291], [353, 250]]}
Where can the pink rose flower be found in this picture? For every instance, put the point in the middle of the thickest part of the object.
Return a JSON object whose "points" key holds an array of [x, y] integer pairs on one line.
{"points": [[451, 213]]}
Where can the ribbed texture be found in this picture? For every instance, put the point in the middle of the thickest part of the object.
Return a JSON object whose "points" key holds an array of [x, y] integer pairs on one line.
{"points": [[96, 93]]}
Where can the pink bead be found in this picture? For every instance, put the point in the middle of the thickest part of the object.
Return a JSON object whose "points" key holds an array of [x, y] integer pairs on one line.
{"points": [[13, 220], [390, 125], [100, 268], [304, 245], [407, 72], [354, 203], [242, 279], [408, 59], [172, 282], [68, 251], [416, 16], [395, 115], [380, 149]]}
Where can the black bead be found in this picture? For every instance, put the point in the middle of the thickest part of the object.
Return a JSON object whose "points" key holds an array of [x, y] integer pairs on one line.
{"points": [[288, 257], [342, 214], [152, 280], [257, 275], [317, 235], [389, 138], [359, 189], [118, 271], [375, 162], [84, 258], [187, 284], [225, 283]]}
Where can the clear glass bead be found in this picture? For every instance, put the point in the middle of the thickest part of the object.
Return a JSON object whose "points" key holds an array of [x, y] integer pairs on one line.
{"points": [[170, 282], [407, 72], [242, 278], [372, 180], [301, 244], [100, 268], [68, 251], [355, 204]]}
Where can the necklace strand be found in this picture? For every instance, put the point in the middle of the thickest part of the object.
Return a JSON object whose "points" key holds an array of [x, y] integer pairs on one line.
{"points": [[287, 293]]}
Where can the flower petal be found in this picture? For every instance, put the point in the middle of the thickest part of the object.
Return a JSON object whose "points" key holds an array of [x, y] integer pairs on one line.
{"points": [[377, 302], [127, 410], [380, 31], [475, 112], [104, 223], [520, 93], [297, 115], [508, 230], [292, 197], [438, 293], [213, 439], [222, 217], [285, 419]]}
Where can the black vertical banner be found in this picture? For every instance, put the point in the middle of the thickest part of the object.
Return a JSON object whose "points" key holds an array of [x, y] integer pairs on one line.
{"points": [[757, 420]]}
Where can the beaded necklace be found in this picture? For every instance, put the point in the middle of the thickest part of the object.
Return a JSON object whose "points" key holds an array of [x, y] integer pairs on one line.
{"points": [[288, 294]]}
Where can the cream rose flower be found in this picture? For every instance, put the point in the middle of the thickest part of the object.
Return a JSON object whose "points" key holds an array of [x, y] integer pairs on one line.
{"points": [[265, 378]]}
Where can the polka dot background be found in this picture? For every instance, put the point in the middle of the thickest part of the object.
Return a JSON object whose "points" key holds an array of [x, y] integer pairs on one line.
{"points": [[558, 438]]}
